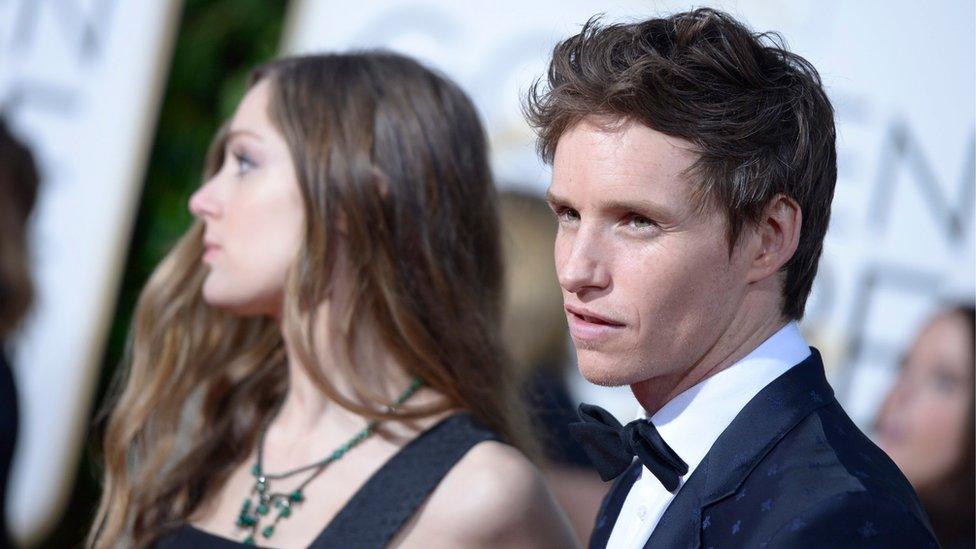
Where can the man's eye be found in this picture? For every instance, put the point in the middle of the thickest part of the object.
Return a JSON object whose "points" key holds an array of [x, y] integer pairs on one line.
{"points": [[567, 214], [638, 221]]}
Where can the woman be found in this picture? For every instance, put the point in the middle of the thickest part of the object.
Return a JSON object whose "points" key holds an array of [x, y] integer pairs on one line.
{"points": [[926, 424], [318, 362]]}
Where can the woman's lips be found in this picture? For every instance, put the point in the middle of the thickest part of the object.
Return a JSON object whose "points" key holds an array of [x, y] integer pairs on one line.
{"points": [[588, 327], [209, 251]]}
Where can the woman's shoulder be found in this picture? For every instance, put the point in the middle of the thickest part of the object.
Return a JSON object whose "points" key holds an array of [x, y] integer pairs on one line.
{"points": [[494, 496]]}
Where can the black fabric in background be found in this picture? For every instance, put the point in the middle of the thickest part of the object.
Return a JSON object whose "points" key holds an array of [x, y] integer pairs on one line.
{"points": [[553, 409], [8, 437]]}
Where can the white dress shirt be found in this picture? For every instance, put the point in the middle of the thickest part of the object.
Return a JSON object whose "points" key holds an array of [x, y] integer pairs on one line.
{"points": [[692, 422]]}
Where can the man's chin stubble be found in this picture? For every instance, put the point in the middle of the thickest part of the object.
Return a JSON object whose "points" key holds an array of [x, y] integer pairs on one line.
{"points": [[607, 376]]}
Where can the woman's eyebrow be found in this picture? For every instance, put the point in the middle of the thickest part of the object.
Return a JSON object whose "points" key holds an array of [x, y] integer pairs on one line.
{"points": [[242, 133]]}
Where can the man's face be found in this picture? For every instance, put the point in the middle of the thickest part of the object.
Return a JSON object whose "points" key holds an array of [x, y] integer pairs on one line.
{"points": [[648, 283]]}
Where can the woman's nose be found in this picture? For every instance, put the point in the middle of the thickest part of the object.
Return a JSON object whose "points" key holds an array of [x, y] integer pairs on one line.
{"points": [[901, 392], [203, 202]]}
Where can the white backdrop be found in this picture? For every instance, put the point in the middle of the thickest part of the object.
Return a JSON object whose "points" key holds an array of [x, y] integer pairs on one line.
{"points": [[80, 81], [900, 74]]}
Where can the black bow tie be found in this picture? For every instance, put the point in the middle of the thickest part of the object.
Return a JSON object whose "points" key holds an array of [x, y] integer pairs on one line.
{"points": [[612, 446]]}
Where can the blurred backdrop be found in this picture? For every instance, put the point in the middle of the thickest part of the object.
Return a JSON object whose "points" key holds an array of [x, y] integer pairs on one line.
{"points": [[119, 99]]}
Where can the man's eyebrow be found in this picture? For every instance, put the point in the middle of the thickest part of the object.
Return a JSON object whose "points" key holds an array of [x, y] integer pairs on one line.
{"points": [[635, 204], [555, 200], [646, 207]]}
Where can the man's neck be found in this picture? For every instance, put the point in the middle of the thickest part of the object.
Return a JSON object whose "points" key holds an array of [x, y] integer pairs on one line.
{"points": [[733, 346]]}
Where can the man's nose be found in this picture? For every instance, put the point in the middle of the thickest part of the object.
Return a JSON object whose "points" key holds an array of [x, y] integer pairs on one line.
{"points": [[584, 266]]}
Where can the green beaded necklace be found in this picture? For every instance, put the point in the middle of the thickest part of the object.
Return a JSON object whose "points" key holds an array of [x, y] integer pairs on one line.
{"points": [[265, 499]]}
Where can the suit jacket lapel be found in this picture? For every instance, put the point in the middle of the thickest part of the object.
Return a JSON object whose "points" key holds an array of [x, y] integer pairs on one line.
{"points": [[751, 435]]}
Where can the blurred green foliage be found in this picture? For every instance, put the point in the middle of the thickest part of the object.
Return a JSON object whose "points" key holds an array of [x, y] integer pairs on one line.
{"points": [[218, 43]]}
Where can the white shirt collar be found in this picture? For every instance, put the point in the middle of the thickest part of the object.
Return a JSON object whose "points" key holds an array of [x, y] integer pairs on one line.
{"points": [[691, 422]]}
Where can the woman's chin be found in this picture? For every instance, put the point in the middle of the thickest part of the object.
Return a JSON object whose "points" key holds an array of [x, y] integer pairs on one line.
{"points": [[234, 303]]}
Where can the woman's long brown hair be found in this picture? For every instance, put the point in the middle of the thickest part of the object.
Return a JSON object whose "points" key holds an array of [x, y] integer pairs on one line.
{"points": [[397, 153]]}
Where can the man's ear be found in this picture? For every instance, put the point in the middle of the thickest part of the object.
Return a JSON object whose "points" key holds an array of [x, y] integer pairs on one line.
{"points": [[778, 233]]}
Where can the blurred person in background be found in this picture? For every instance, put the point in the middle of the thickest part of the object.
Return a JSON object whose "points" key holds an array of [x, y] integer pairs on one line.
{"points": [[18, 192], [926, 423], [319, 360], [536, 337]]}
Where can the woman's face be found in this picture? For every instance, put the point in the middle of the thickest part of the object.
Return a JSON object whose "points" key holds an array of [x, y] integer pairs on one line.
{"points": [[922, 424], [253, 212]]}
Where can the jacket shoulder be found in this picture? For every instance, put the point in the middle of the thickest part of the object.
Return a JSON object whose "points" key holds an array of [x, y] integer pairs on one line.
{"points": [[823, 477], [854, 519]]}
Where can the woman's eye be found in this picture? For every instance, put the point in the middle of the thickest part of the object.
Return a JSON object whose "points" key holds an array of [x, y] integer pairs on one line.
{"points": [[945, 383], [244, 163]]}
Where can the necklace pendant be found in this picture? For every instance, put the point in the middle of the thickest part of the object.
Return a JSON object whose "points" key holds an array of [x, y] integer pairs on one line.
{"points": [[283, 504], [252, 512], [245, 519]]}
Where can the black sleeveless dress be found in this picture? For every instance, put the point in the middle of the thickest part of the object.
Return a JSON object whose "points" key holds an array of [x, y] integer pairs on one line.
{"points": [[378, 510]]}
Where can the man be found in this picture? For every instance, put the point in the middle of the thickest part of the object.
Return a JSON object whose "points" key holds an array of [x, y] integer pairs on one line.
{"points": [[693, 170]]}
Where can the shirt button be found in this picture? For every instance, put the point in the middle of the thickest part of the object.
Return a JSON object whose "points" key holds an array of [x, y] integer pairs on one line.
{"points": [[642, 512]]}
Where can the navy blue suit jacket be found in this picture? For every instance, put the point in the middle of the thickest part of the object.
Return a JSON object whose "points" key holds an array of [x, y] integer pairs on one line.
{"points": [[791, 470]]}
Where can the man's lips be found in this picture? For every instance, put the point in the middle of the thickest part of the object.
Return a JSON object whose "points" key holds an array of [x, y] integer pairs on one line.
{"points": [[591, 317], [589, 329]]}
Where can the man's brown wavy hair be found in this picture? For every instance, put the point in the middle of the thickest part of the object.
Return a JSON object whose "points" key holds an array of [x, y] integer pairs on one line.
{"points": [[757, 114]]}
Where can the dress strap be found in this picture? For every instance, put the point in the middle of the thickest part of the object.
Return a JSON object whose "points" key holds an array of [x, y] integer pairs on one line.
{"points": [[394, 493]]}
